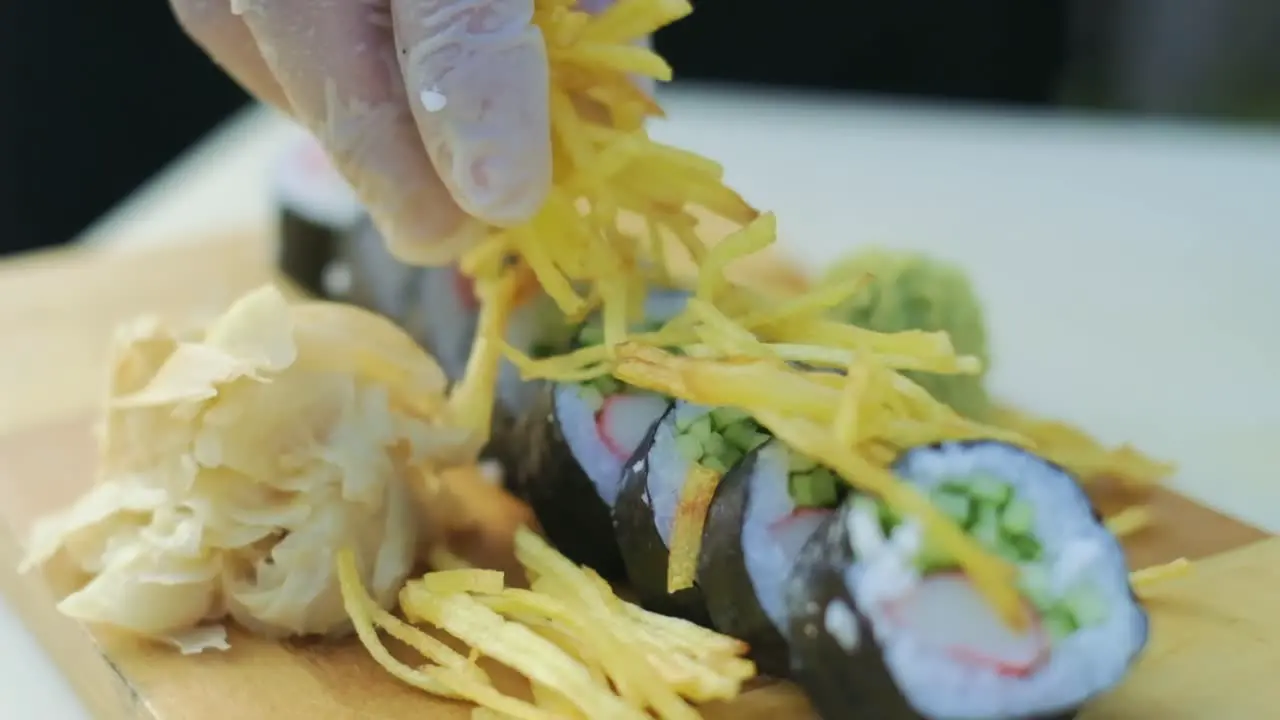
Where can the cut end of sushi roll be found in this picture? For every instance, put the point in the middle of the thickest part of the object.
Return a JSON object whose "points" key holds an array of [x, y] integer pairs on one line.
{"points": [[574, 443], [871, 598], [652, 508], [549, 477], [763, 513]]}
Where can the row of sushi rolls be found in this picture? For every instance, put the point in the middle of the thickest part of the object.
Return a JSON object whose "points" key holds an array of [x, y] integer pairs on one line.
{"points": [[827, 585]]}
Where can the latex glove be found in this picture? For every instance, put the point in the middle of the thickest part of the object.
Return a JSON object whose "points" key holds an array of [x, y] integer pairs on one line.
{"points": [[435, 111]]}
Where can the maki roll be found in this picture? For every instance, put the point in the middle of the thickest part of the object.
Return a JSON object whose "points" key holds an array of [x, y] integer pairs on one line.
{"points": [[884, 625], [574, 443], [687, 440], [762, 514]]}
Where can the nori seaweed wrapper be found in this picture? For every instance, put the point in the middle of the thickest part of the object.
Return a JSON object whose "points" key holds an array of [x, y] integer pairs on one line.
{"points": [[722, 572], [643, 551], [545, 474]]}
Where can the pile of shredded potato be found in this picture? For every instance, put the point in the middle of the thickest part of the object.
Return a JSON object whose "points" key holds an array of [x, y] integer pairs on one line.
{"points": [[585, 652]]}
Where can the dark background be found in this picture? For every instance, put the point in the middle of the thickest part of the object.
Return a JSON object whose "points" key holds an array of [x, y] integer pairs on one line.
{"points": [[95, 97]]}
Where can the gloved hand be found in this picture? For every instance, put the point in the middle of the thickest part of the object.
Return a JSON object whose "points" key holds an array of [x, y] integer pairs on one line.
{"points": [[434, 110]]}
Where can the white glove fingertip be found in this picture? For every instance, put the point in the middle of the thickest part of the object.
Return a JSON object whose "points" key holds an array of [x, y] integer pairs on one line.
{"points": [[479, 90]]}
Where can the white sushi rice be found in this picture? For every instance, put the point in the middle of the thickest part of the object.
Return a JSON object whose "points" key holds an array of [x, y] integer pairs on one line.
{"points": [[668, 468], [578, 425], [1087, 662]]}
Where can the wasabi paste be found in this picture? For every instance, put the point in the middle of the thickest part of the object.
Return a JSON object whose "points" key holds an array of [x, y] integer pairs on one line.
{"points": [[911, 291]]}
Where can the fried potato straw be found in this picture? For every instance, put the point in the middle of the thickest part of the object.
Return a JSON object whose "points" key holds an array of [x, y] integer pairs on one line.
{"points": [[586, 652]]}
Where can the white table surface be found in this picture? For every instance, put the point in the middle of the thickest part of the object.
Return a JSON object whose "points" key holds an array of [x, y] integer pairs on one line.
{"points": [[1129, 269]]}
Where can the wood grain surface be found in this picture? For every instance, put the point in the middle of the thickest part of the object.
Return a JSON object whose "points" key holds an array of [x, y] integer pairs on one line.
{"points": [[1215, 633]]}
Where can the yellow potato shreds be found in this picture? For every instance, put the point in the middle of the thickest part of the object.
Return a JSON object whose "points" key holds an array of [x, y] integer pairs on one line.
{"points": [[585, 652], [1142, 580], [1083, 456], [471, 402], [605, 165], [686, 533], [1129, 521]]}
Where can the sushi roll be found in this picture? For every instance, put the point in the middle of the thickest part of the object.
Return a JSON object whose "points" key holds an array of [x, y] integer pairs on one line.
{"points": [[575, 442], [690, 435], [884, 626], [762, 514]]}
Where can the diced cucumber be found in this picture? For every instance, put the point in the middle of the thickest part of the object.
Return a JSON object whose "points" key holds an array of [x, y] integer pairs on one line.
{"points": [[830, 486], [1059, 624], [1086, 606], [990, 489], [1009, 552], [1037, 586], [802, 490], [741, 435], [955, 505], [986, 526], [1018, 518], [1028, 548], [723, 417], [816, 488], [715, 464], [731, 456], [714, 445], [590, 396], [799, 462], [689, 447], [699, 427]]}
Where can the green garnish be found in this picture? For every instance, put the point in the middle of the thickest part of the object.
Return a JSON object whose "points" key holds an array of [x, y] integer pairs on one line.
{"points": [[718, 439], [990, 490], [956, 505], [1086, 606], [1018, 518], [1059, 624]]}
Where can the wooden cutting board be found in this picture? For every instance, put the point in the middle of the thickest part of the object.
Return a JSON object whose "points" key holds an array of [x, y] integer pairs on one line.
{"points": [[1214, 632]]}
